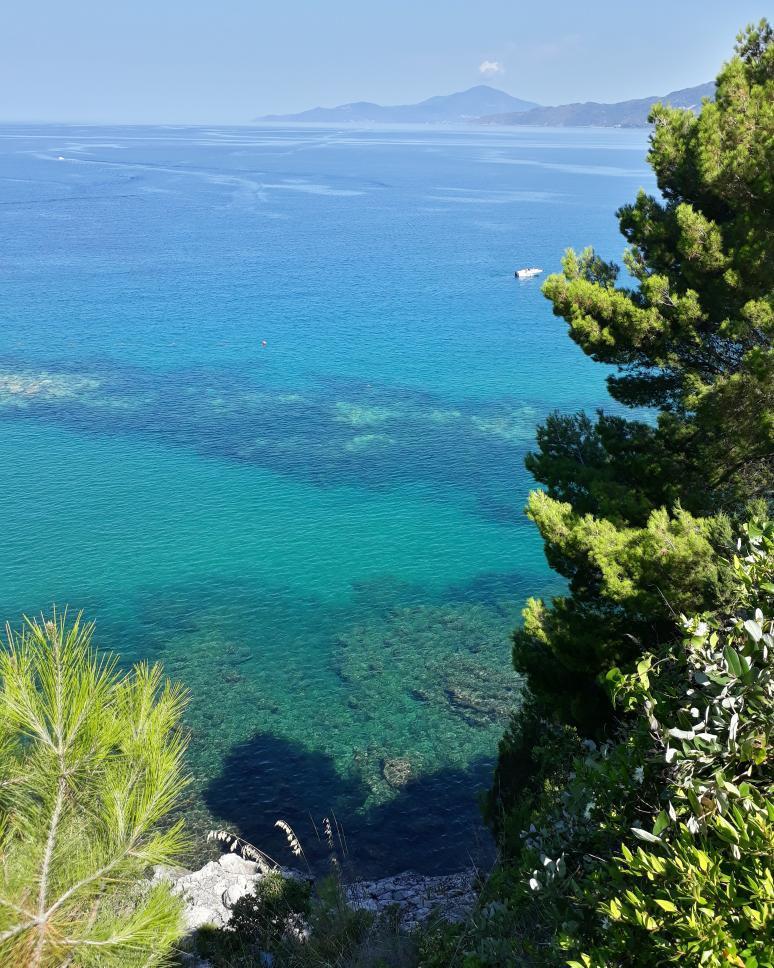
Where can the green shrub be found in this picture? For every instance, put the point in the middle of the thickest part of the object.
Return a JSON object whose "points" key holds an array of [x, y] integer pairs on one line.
{"points": [[336, 931], [263, 917], [656, 846], [632, 801], [701, 880]]}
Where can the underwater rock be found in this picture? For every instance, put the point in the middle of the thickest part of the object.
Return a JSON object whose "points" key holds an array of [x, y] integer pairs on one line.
{"points": [[366, 441], [433, 678], [233, 677], [44, 386], [479, 695], [473, 708], [421, 695], [361, 414], [477, 707], [397, 772]]}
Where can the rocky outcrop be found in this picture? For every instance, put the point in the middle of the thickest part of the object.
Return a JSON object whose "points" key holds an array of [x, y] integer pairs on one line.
{"points": [[211, 892], [450, 897], [397, 771]]}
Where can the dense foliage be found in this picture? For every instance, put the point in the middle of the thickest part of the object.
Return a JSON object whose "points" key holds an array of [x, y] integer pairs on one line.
{"points": [[633, 510], [655, 846], [90, 768], [633, 794]]}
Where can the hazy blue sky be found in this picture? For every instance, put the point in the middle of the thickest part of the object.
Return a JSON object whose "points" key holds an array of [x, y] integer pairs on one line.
{"points": [[230, 60]]}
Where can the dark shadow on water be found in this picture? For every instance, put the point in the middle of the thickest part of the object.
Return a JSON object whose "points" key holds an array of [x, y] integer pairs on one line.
{"points": [[431, 825]]}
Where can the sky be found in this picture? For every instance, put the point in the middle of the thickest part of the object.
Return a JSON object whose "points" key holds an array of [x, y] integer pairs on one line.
{"points": [[229, 61]]}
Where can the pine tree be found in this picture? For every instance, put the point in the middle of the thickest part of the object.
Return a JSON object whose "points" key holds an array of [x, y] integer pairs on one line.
{"points": [[634, 511], [91, 764]]}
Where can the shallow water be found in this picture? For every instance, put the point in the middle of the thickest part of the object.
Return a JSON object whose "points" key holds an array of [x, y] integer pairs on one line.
{"points": [[265, 395]]}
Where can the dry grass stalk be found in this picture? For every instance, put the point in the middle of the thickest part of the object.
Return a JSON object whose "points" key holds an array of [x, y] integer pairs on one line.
{"points": [[246, 850]]}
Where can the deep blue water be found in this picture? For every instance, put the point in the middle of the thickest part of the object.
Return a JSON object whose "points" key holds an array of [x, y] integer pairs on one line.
{"points": [[265, 395]]}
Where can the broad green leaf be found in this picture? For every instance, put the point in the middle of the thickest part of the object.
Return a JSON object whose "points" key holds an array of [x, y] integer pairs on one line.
{"points": [[725, 830], [666, 905], [754, 630], [662, 822], [733, 661]]}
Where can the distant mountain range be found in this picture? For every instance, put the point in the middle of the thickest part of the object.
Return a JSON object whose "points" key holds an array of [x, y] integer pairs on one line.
{"points": [[487, 105], [463, 106], [622, 114]]}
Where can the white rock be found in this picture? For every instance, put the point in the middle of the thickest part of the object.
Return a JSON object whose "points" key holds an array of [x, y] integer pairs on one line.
{"points": [[210, 872], [234, 864], [197, 916], [366, 904], [234, 892]]}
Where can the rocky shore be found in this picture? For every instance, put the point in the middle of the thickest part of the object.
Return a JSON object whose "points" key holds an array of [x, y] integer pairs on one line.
{"points": [[211, 892], [449, 896]]}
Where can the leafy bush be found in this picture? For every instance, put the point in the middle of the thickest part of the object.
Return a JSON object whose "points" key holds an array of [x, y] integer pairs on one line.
{"points": [[91, 764], [336, 931], [656, 846], [702, 885]]}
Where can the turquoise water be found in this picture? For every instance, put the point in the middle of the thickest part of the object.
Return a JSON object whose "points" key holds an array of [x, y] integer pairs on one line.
{"points": [[265, 395]]}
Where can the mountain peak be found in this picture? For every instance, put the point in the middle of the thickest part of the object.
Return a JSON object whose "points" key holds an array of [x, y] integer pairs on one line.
{"points": [[447, 108], [485, 87]]}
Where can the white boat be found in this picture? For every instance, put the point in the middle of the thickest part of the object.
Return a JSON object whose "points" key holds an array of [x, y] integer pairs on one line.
{"points": [[527, 273]]}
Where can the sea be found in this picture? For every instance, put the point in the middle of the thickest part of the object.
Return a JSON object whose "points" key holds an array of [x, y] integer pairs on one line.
{"points": [[265, 398]]}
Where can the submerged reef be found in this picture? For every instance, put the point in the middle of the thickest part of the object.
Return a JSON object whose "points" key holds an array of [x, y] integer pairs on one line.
{"points": [[382, 710], [22, 389], [380, 700], [333, 433], [437, 673]]}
